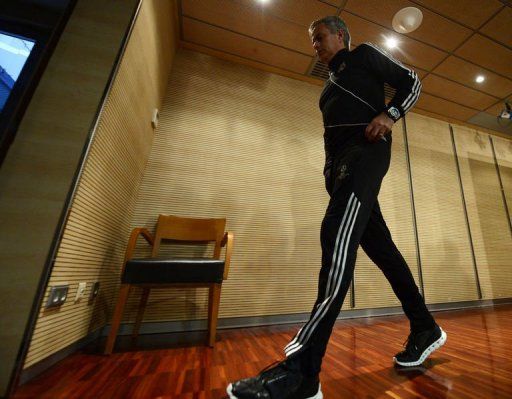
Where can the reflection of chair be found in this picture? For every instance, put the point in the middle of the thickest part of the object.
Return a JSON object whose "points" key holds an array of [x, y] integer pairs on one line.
{"points": [[164, 272]]}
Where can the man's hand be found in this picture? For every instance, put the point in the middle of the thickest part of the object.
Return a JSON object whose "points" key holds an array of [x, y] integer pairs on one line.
{"points": [[378, 127]]}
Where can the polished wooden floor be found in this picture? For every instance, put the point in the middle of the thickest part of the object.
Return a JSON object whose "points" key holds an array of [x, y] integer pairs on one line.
{"points": [[476, 362]]}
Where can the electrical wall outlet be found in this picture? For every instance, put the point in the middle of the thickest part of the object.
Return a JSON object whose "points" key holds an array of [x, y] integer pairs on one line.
{"points": [[57, 296], [80, 292], [94, 291]]}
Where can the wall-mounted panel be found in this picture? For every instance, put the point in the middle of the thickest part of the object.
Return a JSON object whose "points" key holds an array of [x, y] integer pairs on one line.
{"points": [[444, 245], [487, 216], [503, 150], [247, 145], [94, 239]]}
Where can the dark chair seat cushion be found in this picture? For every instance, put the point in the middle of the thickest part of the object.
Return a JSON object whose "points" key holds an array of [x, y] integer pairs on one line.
{"points": [[173, 270]]}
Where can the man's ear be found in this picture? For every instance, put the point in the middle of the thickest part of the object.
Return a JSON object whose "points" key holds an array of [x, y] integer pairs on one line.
{"points": [[340, 35]]}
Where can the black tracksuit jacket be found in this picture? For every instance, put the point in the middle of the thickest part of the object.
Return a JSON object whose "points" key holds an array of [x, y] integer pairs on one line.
{"points": [[354, 93]]}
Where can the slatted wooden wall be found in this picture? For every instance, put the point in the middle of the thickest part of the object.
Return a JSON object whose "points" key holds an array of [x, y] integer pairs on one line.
{"points": [[93, 244], [37, 173], [444, 244], [247, 145], [503, 150], [487, 215]]}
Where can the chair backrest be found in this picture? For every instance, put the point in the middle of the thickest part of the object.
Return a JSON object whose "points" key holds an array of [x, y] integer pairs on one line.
{"points": [[189, 230]]}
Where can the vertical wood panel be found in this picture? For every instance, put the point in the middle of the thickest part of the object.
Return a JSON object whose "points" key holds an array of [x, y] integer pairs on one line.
{"points": [[94, 239], [39, 169], [492, 241], [503, 150], [246, 145], [444, 244]]}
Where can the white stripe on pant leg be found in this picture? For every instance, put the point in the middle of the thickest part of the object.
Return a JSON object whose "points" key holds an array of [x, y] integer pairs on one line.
{"points": [[313, 322], [349, 208], [339, 280], [298, 337], [320, 309], [308, 335], [293, 340], [338, 285], [344, 242], [351, 201], [296, 341]]}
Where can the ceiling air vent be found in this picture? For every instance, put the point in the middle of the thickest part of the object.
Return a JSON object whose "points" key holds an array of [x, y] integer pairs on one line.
{"points": [[321, 71]]}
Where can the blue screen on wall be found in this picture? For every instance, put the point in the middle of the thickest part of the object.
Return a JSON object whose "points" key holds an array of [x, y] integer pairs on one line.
{"points": [[14, 52]]}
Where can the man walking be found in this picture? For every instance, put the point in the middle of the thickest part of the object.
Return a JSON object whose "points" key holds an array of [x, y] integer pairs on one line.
{"points": [[357, 138]]}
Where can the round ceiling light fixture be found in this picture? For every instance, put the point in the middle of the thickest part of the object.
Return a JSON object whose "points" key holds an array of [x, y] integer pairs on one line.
{"points": [[408, 19]]}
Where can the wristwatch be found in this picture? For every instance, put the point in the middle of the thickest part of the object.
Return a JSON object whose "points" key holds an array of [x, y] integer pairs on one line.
{"points": [[393, 113]]}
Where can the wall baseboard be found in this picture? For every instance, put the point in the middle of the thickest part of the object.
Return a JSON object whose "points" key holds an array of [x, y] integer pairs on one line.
{"points": [[254, 321], [193, 330], [37, 368]]}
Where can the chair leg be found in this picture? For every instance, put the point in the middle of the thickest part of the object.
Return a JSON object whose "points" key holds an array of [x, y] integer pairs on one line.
{"points": [[213, 312], [116, 318], [142, 307]]}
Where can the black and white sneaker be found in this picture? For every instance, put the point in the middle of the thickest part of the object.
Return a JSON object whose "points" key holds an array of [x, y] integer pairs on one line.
{"points": [[281, 381], [419, 346]]}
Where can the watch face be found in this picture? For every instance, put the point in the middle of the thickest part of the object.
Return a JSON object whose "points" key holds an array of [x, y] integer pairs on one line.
{"points": [[394, 113]]}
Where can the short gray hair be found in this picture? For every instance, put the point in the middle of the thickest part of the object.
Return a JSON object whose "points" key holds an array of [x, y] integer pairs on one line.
{"points": [[334, 24]]}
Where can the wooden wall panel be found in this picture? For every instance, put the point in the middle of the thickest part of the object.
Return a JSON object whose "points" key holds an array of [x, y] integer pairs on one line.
{"points": [[503, 150], [247, 145], [95, 236], [487, 216], [39, 169], [372, 289], [442, 230]]}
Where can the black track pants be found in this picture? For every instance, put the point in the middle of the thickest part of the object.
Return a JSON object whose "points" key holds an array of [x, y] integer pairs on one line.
{"points": [[353, 217]]}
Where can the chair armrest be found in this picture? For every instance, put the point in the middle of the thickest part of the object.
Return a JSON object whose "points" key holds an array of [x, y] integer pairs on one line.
{"points": [[227, 241], [132, 241]]}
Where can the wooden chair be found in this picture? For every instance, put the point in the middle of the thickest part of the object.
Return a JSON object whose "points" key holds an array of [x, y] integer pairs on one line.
{"points": [[160, 272]]}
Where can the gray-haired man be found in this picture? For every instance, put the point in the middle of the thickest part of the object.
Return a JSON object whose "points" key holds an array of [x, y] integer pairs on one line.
{"points": [[357, 138]]}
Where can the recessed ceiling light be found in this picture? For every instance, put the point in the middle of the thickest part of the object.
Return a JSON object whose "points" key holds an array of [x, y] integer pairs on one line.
{"points": [[391, 42], [479, 79], [263, 1]]}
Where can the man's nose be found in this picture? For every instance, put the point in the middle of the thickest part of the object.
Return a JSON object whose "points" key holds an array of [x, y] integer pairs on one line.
{"points": [[316, 45]]}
